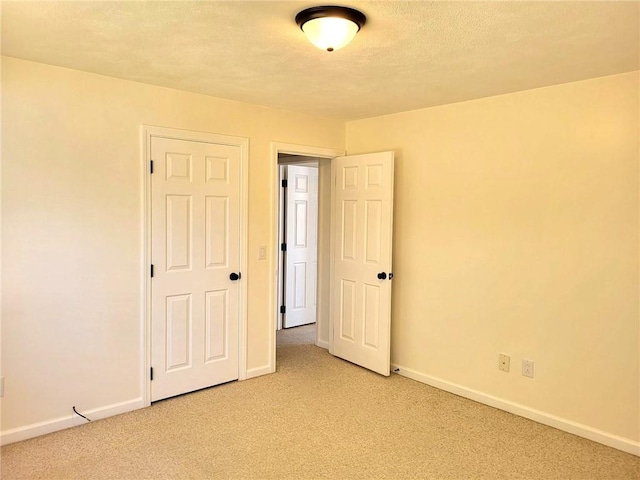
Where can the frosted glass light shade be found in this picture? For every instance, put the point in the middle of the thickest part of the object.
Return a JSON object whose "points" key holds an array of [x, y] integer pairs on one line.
{"points": [[330, 33], [330, 27]]}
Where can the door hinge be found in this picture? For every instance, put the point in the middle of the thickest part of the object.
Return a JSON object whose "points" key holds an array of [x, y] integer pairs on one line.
{"points": [[151, 374], [285, 183], [283, 309], [151, 166], [152, 270], [283, 247]]}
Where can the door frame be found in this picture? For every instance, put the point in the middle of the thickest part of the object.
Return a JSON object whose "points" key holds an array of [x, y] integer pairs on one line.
{"points": [[323, 298], [147, 133]]}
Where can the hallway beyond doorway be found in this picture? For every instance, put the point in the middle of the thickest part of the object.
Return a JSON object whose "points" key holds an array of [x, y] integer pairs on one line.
{"points": [[304, 335]]}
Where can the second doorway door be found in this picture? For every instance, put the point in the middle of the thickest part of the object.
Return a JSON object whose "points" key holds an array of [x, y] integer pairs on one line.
{"points": [[300, 249]]}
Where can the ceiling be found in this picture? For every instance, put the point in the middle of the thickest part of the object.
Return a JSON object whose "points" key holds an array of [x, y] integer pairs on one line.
{"points": [[409, 55]]}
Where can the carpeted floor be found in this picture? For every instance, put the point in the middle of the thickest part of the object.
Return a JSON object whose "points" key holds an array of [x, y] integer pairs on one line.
{"points": [[317, 417]]}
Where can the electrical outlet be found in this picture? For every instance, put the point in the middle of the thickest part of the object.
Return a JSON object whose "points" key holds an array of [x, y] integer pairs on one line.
{"points": [[527, 368], [504, 361], [262, 252], [1, 386]]}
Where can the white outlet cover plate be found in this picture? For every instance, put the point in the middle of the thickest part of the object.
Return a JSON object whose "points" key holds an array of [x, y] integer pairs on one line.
{"points": [[527, 368]]}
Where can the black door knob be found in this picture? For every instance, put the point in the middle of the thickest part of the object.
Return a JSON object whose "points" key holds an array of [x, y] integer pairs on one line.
{"points": [[235, 276], [382, 275]]}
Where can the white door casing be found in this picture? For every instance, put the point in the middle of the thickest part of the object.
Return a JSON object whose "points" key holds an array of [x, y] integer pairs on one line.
{"points": [[325, 157], [302, 246], [362, 252], [197, 311]]}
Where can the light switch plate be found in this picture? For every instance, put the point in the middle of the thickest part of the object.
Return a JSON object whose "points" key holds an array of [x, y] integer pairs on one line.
{"points": [[504, 361]]}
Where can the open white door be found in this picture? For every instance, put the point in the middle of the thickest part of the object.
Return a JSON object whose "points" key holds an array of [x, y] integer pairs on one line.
{"points": [[195, 293], [301, 256], [362, 236]]}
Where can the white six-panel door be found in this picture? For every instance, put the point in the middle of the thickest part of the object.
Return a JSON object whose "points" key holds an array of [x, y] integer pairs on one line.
{"points": [[195, 247], [362, 236], [302, 245]]}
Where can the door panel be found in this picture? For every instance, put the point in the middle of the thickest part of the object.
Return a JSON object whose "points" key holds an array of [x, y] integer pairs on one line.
{"points": [[301, 257], [362, 232], [348, 231], [178, 232], [216, 323], [371, 315], [178, 327], [347, 310], [195, 224], [216, 231]]}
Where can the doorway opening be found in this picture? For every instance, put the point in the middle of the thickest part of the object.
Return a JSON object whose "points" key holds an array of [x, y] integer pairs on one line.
{"points": [[298, 239], [354, 263], [320, 159]]}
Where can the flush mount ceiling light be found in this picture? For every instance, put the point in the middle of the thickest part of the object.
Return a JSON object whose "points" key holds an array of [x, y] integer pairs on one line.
{"points": [[330, 27]]}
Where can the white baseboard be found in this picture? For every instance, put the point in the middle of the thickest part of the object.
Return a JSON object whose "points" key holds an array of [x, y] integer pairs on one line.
{"points": [[71, 420], [323, 344], [259, 371], [614, 441]]}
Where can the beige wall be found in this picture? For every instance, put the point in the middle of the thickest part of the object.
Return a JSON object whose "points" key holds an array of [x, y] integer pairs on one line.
{"points": [[72, 229], [516, 230]]}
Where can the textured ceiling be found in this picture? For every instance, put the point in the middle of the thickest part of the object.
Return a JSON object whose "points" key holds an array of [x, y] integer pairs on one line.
{"points": [[409, 55]]}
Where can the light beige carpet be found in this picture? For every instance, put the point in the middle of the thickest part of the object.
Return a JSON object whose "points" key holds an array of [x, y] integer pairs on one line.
{"points": [[317, 417]]}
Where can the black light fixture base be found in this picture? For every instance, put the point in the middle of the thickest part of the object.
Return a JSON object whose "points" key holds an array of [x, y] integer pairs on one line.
{"points": [[347, 13]]}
